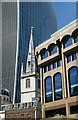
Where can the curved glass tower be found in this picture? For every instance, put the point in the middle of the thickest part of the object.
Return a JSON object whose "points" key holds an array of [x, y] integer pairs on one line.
{"points": [[40, 15]]}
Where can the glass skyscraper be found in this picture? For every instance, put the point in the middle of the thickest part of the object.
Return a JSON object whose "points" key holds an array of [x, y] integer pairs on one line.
{"points": [[8, 39], [16, 21], [40, 15]]}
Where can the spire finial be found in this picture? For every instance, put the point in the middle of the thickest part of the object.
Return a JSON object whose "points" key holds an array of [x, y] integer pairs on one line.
{"points": [[32, 29]]}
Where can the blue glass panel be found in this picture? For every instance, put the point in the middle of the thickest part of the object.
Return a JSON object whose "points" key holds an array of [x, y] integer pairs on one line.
{"points": [[74, 56], [68, 58], [53, 50], [48, 89], [45, 69], [44, 54], [54, 65], [39, 71], [58, 86], [68, 42], [58, 63], [73, 79], [49, 67], [76, 39]]}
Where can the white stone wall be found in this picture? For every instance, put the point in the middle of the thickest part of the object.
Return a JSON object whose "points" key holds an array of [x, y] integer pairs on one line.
{"points": [[2, 114], [28, 93]]}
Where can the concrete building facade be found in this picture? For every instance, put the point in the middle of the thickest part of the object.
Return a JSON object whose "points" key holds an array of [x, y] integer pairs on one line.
{"points": [[58, 62]]}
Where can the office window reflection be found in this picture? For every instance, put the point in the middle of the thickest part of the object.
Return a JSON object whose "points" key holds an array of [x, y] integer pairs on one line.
{"points": [[73, 81], [44, 54], [48, 89], [57, 86], [53, 49], [68, 42]]}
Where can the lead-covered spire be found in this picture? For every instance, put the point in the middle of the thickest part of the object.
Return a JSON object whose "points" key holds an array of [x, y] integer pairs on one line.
{"points": [[30, 67]]}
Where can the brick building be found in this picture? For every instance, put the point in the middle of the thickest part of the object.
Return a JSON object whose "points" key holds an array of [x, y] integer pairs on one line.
{"points": [[23, 110]]}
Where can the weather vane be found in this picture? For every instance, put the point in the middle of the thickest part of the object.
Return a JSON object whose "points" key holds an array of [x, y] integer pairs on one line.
{"points": [[31, 29]]}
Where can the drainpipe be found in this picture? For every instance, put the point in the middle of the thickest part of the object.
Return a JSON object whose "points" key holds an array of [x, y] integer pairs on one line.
{"points": [[35, 114]]}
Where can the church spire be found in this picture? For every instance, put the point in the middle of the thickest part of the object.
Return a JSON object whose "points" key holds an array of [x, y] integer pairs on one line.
{"points": [[30, 67]]}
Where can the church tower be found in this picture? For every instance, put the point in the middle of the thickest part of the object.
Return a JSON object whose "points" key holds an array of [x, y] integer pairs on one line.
{"points": [[30, 87]]}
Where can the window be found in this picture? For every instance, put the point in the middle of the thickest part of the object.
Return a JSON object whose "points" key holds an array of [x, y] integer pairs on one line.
{"points": [[68, 42], [58, 63], [73, 81], [57, 86], [7, 99], [53, 49], [54, 65], [39, 84], [44, 54], [28, 63], [74, 109], [48, 89], [49, 67], [76, 39], [27, 83], [9, 116], [39, 71], [57, 112], [74, 56], [68, 58], [4, 98], [28, 115], [45, 69], [22, 116], [14, 116]]}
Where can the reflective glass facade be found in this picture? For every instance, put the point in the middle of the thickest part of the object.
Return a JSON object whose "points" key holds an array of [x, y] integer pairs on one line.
{"points": [[48, 89], [44, 54], [40, 15], [53, 50], [74, 57], [8, 42], [73, 80], [76, 39], [68, 58], [68, 42], [58, 86]]}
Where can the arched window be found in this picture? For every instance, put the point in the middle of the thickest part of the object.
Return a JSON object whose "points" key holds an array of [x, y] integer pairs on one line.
{"points": [[53, 49], [57, 86], [73, 81], [44, 54], [9, 116], [48, 89], [68, 42], [15, 116], [29, 116], [76, 38], [22, 116]]}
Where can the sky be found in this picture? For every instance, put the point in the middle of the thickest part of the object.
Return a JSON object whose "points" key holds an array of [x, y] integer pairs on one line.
{"points": [[65, 12]]}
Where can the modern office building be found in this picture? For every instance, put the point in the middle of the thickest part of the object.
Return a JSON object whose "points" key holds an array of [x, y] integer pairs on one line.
{"points": [[8, 40], [58, 62], [16, 20], [40, 15]]}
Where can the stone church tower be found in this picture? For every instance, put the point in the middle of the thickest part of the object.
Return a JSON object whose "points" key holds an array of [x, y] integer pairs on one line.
{"points": [[30, 81]]}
